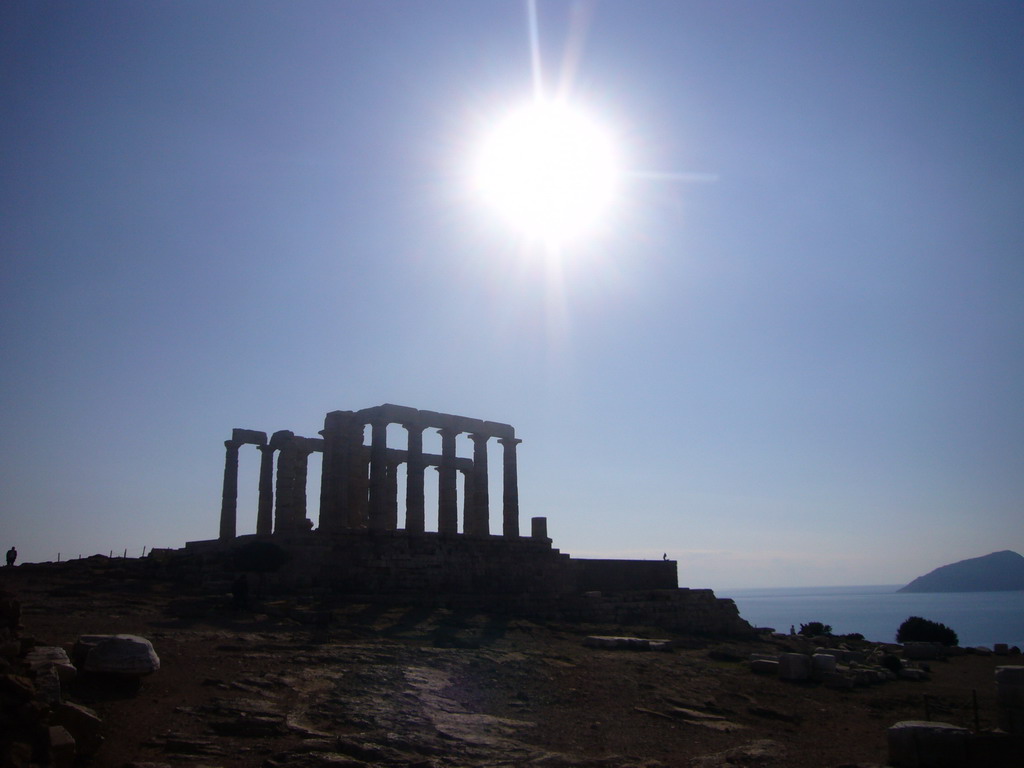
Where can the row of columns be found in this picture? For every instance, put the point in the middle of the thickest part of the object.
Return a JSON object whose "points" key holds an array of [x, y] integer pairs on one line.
{"points": [[359, 486], [340, 489], [291, 482]]}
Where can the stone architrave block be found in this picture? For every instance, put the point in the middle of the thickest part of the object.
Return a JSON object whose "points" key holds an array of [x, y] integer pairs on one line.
{"points": [[129, 655], [927, 744], [823, 663], [794, 666]]}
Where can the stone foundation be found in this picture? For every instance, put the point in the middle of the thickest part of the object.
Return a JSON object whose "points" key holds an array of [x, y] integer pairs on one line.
{"points": [[521, 576]]}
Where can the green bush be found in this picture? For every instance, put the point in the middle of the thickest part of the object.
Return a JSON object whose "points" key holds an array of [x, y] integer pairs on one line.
{"points": [[916, 629], [815, 629]]}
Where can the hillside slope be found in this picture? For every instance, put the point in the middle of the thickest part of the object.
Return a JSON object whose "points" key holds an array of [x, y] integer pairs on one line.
{"points": [[997, 572]]}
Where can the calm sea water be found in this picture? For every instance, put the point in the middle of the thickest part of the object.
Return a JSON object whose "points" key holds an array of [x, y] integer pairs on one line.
{"points": [[978, 618]]}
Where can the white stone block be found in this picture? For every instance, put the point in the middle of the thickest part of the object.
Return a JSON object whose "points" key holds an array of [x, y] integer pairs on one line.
{"points": [[1010, 675], [823, 663], [794, 666], [927, 744], [764, 666], [119, 654]]}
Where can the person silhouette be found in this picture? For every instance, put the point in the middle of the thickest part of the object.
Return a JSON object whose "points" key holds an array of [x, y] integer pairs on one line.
{"points": [[12, 555]]}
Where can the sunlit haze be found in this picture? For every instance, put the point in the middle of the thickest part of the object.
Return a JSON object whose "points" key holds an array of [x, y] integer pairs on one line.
{"points": [[782, 343], [549, 170]]}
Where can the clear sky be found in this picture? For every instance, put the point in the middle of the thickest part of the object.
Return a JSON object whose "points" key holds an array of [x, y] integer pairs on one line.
{"points": [[794, 354]]}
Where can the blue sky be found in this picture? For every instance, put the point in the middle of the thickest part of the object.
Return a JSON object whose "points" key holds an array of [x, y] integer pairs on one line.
{"points": [[794, 356]]}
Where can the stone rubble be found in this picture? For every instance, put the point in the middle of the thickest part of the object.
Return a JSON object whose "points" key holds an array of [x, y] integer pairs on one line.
{"points": [[38, 726]]}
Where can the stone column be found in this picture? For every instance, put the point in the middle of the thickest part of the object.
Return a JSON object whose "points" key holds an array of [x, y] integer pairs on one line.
{"points": [[336, 474], [283, 517], [447, 494], [481, 504], [299, 488], [378, 475], [265, 511], [414, 504], [358, 485], [510, 488], [229, 497], [468, 522], [391, 497]]}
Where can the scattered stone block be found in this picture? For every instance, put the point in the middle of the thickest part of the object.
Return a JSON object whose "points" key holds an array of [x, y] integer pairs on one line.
{"points": [[917, 675], [865, 676], [128, 655], [837, 681], [794, 666], [51, 656], [927, 744], [627, 643], [1010, 687], [62, 747], [82, 723], [48, 686], [823, 663], [764, 666]]}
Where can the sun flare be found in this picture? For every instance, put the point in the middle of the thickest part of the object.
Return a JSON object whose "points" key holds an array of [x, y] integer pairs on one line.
{"points": [[549, 171]]}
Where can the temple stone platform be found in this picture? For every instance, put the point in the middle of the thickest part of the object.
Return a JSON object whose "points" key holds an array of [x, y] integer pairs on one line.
{"points": [[524, 577]]}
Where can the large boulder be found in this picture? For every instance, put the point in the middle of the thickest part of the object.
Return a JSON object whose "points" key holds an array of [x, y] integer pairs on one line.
{"points": [[126, 655]]}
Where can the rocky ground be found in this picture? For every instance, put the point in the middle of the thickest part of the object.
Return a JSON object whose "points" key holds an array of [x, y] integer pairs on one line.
{"points": [[292, 683]]}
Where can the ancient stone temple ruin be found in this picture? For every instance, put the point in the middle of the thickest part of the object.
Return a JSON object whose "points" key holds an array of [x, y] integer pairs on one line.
{"points": [[359, 483], [363, 544]]}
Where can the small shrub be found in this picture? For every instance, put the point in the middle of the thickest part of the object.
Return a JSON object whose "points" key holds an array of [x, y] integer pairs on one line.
{"points": [[814, 629], [916, 629]]}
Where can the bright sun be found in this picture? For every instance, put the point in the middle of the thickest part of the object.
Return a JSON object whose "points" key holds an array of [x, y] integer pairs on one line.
{"points": [[549, 171]]}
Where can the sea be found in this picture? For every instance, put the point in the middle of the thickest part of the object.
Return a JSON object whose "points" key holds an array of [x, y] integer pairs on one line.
{"points": [[978, 618]]}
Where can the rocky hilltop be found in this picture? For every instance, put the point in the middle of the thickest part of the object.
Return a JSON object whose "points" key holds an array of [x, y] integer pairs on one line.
{"points": [[318, 681], [997, 572]]}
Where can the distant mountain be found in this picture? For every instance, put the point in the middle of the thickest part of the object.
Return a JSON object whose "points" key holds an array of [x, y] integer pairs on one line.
{"points": [[998, 572]]}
